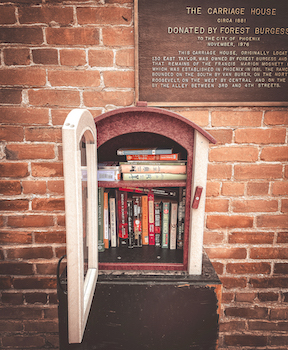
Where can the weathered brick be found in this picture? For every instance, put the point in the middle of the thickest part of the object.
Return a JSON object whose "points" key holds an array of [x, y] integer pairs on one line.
{"points": [[222, 135], [282, 237], [35, 283], [36, 298], [30, 221], [248, 268], [24, 115], [257, 188], [45, 169], [120, 79], [232, 221], [46, 15], [45, 97], [104, 98], [23, 76], [75, 78], [29, 151], [48, 204], [20, 313], [226, 253], [269, 296], [10, 187], [219, 171], [279, 314], [41, 326], [234, 282], [72, 57], [16, 268], [258, 171], [274, 282], [43, 134], [15, 56], [276, 118], [11, 326], [5, 283], [212, 189], [21, 35], [260, 136], [14, 170], [269, 253], [231, 326], [18, 237], [45, 56], [125, 58], [72, 36], [284, 206], [104, 15], [59, 116], [233, 189], [7, 15], [216, 205], [280, 188], [213, 238], [101, 58], [55, 187], [251, 237], [45, 268], [50, 237], [14, 205], [10, 96], [118, 36], [198, 117], [256, 205], [236, 118], [245, 340], [23, 341], [11, 133], [268, 326], [279, 221], [245, 297], [274, 154], [30, 253], [235, 154], [248, 313], [35, 187]]}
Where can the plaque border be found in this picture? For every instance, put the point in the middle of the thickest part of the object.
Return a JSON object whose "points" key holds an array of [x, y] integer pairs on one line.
{"points": [[187, 104]]}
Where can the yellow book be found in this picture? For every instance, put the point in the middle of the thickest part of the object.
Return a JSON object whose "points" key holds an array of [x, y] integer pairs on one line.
{"points": [[145, 220]]}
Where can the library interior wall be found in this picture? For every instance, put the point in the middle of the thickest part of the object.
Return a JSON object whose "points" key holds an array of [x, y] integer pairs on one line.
{"points": [[58, 55]]}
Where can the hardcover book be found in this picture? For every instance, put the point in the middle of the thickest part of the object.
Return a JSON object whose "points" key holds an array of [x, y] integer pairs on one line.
{"points": [[144, 219], [112, 212], [172, 156], [152, 176], [152, 151], [151, 221], [153, 168], [181, 217]]}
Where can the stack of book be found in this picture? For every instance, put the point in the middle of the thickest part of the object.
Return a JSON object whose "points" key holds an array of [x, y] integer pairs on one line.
{"points": [[135, 217], [151, 164]]}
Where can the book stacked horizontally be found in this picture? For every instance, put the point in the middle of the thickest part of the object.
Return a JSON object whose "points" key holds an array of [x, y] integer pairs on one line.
{"points": [[151, 164]]}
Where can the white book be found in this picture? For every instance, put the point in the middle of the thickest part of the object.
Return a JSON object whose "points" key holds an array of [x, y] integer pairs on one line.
{"points": [[112, 210], [173, 225]]}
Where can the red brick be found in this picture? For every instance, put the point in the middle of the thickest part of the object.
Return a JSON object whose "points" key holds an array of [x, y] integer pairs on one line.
{"points": [[245, 297], [248, 268], [232, 326], [101, 58], [11, 133], [212, 189], [260, 136], [233, 189], [279, 221], [119, 1], [213, 238], [41, 326], [269, 253], [125, 58], [21, 313], [50, 237], [73, 57], [226, 253], [30, 221], [51, 98], [45, 56], [232, 221], [14, 57], [104, 15], [10, 96], [233, 154], [81, 78], [279, 340], [14, 170], [21, 35], [60, 252], [23, 341], [118, 36], [280, 188], [251, 237], [56, 186], [274, 154], [268, 326], [5, 282], [227, 297], [279, 314], [46, 15], [29, 151], [198, 117], [103, 98], [222, 135], [30, 253], [24, 115], [269, 296], [19, 237], [45, 268], [282, 237], [119, 79], [46, 169], [14, 205], [12, 298], [216, 205], [275, 282], [284, 206], [61, 220], [236, 118], [7, 15], [35, 283], [276, 118], [258, 171], [219, 171], [257, 188], [43, 134], [218, 267], [10, 187], [234, 282], [35, 187], [257, 205], [245, 340], [16, 268], [48, 204], [36, 298], [59, 116], [248, 313], [72, 36], [51, 313], [23, 76]]}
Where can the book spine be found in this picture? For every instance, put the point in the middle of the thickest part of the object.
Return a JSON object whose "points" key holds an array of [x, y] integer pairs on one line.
{"points": [[172, 169], [151, 221], [101, 247], [123, 220], [144, 218], [130, 223], [165, 224], [181, 217], [173, 156], [108, 175], [144, 151], [137, 221], [106, 221], [173, 225], [157, 206], [112, 212], [153, 176]]}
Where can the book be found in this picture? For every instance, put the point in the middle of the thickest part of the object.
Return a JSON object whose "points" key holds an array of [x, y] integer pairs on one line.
{"points": [[130, 223], [112, 212], [172, 156], [122, 218], [159, 192], [101, 247], [108, 174], [158, 209], [106, 221], [173, 225], [153, 168], [137, 221], [165, 224], [181, 217], [144, 219], [152, 151], [151, 221], [152, 176]]}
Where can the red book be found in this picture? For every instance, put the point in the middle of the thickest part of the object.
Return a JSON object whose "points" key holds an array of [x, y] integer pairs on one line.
{"points": [[151, 220]]}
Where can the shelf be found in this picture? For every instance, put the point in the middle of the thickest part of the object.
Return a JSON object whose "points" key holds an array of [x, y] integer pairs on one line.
{"points": [[145, 184]]}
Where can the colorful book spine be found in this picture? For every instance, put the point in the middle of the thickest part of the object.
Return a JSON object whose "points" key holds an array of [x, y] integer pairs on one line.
{"points": [[101, 247], [173, 156], [172, 169], [144, 219], [112, 212], [181, 217], [137, 221], [165, 224], [151, 219], [130, 223], [152, 176], [123, 220], [157, 206], [173, 225], [140, 151], [106, 221]]}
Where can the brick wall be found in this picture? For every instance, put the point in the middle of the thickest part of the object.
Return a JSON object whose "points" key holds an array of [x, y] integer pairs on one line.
{"points": [[58, 55]]}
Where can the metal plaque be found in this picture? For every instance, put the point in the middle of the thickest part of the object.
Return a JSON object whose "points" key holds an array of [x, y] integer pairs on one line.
{"points": [[212, 52]]}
